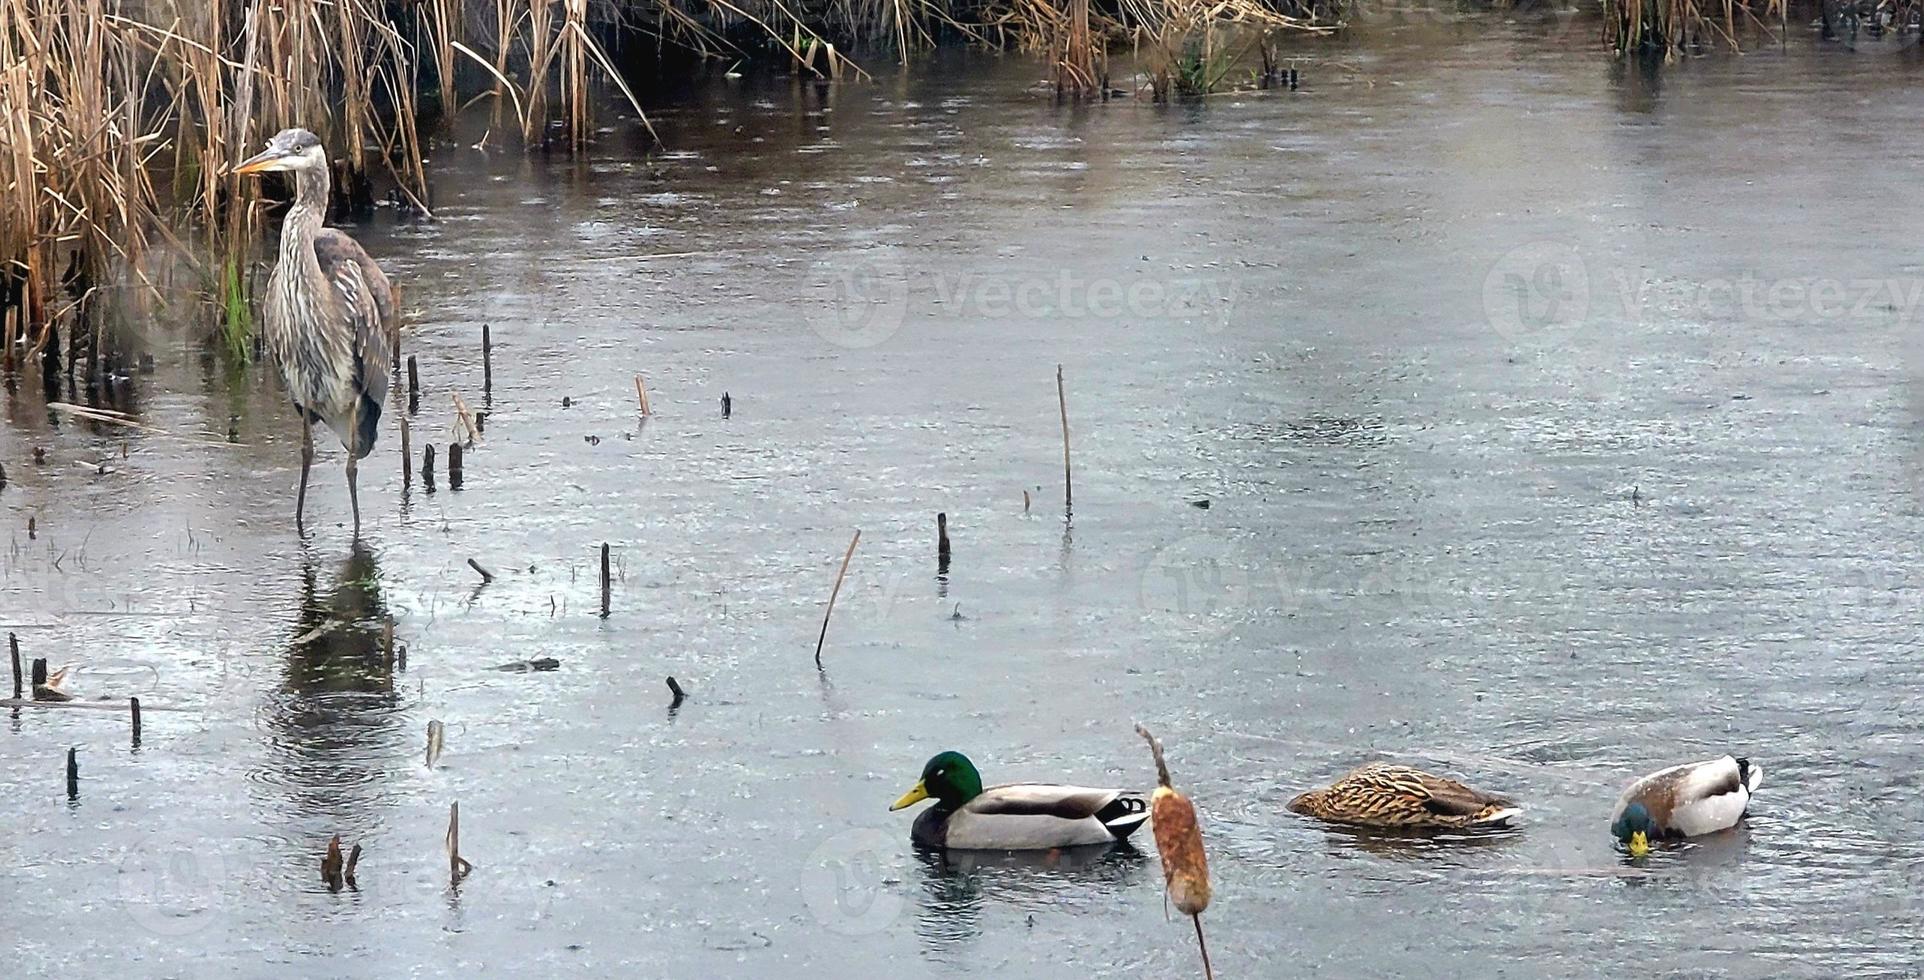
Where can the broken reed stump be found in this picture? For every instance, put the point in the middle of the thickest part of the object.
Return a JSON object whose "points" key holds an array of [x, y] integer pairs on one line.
{"points": [[487, 362], [3, 476], [1185, 866], [407, 455], [1025, 501], [466, 418], [1068, 481], [414, 385], [604, 580], [942, 544], [13, 647], [73, 774], [333, 865], [486, 576], [830, 611], [454, 465], [674, 688], [728, 405], [427, 466], [437, 734], [387, 645], [641, 395], [458, 867], [133, 706]]}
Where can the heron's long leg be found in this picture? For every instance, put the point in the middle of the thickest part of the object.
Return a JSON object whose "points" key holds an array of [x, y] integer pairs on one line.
{"points": [[353, 493], [307, 459]]}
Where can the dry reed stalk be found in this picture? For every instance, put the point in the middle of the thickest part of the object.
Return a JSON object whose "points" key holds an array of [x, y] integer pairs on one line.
{"points": [[1179, 843], [1068, 480], [641, 395], [458, 866], [830, 611], [437, 733]]}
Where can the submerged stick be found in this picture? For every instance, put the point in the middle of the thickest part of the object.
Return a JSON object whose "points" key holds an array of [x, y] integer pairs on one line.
{"points": [[486, 576], [674, 688], [1068, 481], [830, 611], [604, 580]]}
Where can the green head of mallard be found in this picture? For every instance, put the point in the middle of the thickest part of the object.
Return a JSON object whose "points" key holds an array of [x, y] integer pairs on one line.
{"points": [[949, 779], [1635, 828]]}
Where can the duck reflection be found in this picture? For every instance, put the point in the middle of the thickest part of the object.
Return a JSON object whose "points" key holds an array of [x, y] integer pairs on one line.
{"points": [[956, 885], [1415, 844], [332, 725]]}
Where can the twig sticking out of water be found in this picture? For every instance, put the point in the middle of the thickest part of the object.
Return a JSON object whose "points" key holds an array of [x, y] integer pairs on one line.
{"points": [[13, 647], [674, 688], [487, 361], [333, 865], [604, 580], [73, 774], [454, 465], [353, 861], [728, 405], [133, 707], [427, 466], [1068, 481], [942, 544], [486, 576], [830, 611], [458, 866], [641, 395], [436, 733], [1025, 502], [414, 386], [407, 456], [468, 425], [1185, 866]]}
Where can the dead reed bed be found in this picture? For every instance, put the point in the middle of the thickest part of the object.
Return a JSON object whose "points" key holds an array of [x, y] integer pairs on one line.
{"points": [[121, 116]]}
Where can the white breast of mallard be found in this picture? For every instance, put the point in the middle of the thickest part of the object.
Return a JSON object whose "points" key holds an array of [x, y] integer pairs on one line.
{"points": [[306, 328]]}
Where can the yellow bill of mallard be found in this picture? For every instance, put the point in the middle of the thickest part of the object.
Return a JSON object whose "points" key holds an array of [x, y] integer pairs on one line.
{"points": [[916, 794], [1639, 844]]}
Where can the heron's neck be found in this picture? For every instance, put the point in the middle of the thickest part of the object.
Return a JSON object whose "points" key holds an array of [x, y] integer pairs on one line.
{"points": [[305, 218]]}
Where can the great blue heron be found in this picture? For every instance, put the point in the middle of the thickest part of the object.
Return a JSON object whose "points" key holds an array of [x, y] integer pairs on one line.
{"points": [[329, 314]]}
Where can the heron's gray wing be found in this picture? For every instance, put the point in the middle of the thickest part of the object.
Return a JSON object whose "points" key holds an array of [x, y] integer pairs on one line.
{"points": [[367, 304]]}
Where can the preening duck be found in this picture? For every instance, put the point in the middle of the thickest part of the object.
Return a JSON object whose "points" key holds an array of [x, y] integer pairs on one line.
{"points": [[1017, 816], [1684, 801], [1390, 796]]}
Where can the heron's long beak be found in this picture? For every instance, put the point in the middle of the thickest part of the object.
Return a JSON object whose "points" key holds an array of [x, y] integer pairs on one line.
{"points": [[1639, 844], [916, 794], [258, 163]]}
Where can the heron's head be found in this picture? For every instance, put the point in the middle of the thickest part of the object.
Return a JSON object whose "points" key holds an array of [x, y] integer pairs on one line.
{"points": [[290, 149]]}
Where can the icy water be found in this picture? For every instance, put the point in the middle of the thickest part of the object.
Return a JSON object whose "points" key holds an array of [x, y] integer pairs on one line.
{"points": [[1557, 420]]}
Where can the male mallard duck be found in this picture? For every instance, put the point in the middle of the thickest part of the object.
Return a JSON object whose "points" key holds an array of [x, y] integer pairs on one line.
{"points": [[1684, 801], [1381, 794], [1018, 816]]}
